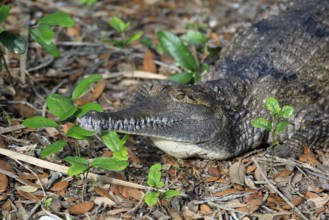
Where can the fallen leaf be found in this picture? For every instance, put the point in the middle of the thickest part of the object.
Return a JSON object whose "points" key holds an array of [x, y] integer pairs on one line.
{"points": [[227, 192], [102, 192], [266, 216], [106, 201], [235, 203], [132, 157], [59, 186], [253, 205], [29, 196], [311, 195], [237, 173], [308, 156], [283, 173], [6, 206], [81, 208], [251, 169], [148, 63], [3, 183], [27, 188], [205, 209], [133, 193], [250, 183], [211, 179], [320, 201], [67, 127], [296, 200]]}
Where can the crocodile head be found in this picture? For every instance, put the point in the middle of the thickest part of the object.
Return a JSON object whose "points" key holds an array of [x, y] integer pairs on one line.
{"points": [[177, 118]]}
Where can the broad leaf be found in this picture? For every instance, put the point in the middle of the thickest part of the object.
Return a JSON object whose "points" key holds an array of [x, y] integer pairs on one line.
{"points": [[281, 125], [61, 106], [111, 140], [286, 112], [84, 84], [79, 165], [90, 106], [48, 46], [119, 25], [154, 176], [46, 33], [4, 12], [112, 164], [152, 198], [53, 148], [273, 106], [135, 37], [121, 154], [176, 48], [57, 18], [79, 133], [262, 123], [183, 78], [170, 193], [39, 122], [12, 42], [195, 38]]}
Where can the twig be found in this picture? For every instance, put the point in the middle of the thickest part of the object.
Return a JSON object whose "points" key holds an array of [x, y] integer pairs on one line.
{"points": [[268, 182], [24, 20], [64, 169], [135, 74], [12, 175], [22, 103], [11, 128], [44, 63]]}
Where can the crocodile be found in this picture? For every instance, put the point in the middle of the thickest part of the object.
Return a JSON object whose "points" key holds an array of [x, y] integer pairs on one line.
{"points": [[284, 55]]}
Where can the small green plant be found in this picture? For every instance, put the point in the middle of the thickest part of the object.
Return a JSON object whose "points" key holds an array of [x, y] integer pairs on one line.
{"points": [[279, 119], [41, 33], [121, 27], [64, 109], [175, 46], [154, 181], [87, 2]]}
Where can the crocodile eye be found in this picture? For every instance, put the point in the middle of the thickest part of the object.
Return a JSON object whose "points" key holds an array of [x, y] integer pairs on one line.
{"points": [[179, 96]]}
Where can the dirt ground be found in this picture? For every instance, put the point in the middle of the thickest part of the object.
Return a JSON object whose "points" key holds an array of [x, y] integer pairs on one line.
{"points": [[252, 186]]}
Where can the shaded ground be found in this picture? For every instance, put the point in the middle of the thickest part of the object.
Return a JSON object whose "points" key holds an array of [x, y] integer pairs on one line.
{"points": [[242, 188]]}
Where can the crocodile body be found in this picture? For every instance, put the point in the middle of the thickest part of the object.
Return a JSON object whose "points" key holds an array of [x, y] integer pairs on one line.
{"points": [[285, 56]]}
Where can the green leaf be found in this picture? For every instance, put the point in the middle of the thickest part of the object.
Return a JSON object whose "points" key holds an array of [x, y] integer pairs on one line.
{"points": [[79, 133], [12, 42], [152, 198], [176, 48], [53, 148], [61, 106], [79, 165], [195, 38], [91, 106], [286, 112], [112, 164], [57, 18], [4, 12], [135, 37], [123, 140], [46, 33], [87, 2], [39, 122], [119, 25], [170, 193], [262, 123], [48, 46], [273, 106], [147, 42], [111, 140], [118, 43], [280, 126], [121, 154], [48, 202], [183, 78], [84, 84], [154, 176]]}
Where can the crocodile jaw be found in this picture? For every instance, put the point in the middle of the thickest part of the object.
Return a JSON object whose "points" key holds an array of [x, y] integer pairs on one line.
{"points": [[184, 149]]}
